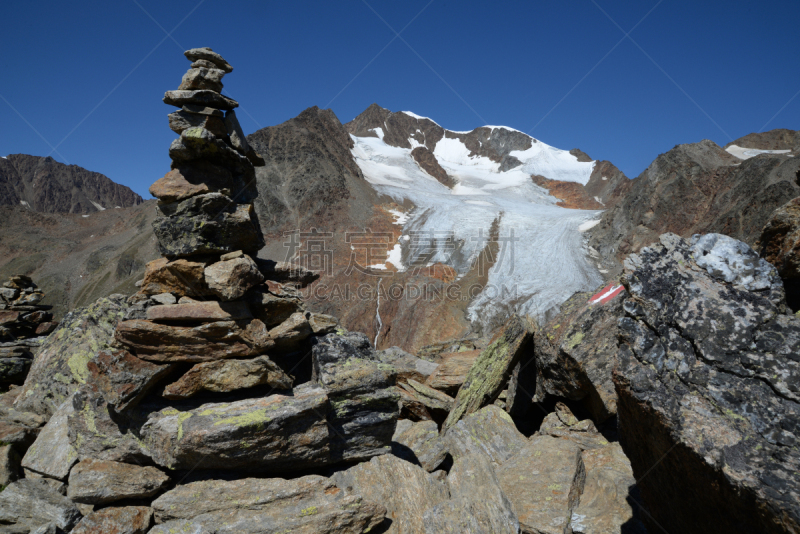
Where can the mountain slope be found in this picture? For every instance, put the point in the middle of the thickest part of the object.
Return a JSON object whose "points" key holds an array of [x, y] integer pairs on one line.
{"points": [[47, 186]]}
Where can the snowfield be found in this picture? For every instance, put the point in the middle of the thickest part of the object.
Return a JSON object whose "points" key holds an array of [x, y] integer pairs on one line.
{"points": [[747, 153], [542, 259]]}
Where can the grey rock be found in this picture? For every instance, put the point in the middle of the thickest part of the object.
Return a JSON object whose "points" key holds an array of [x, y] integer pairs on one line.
{"points": [[404, 489], [202, 110], [207, 224], [60, 367], [122, 379], [290, 333], [488, 431], [307, 505], [183, 120], [477, 505], [103, 482], [732, 261], [204, 98], [52, 454], [201, 144], [34, 503], [238, 140], [544, 481], [228, 375], [231, 279], [206, 54], [164, 298], [272, 310], [322, 324], [419, 443], [202, 78], [407, 365], [708, 371]]}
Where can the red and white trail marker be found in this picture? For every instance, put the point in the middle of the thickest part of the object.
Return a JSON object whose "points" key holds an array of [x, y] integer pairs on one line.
{"points": [[606, 294]]}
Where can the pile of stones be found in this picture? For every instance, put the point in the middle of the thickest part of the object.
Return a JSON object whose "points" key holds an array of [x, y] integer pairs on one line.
{"points": [[23, 324]]}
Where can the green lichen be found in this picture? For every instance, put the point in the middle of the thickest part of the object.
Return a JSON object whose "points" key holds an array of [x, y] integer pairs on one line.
{"points": [[256, 418], [88, 417], [575, 340], [181, 418], [311, 510]]}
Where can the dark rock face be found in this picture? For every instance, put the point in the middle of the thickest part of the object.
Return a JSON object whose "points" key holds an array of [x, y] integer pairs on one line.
{"points": [[779, 244], [47, 186], [427, 161], [716, 192], [709, 387], [576, 352], [780, 139]]}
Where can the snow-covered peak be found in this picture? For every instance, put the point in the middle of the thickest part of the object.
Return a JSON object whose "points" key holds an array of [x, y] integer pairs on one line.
{"points": [[420, 117]]}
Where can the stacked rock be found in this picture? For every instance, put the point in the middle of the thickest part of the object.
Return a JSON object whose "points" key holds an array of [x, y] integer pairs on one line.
{"points": [[23, 324]]}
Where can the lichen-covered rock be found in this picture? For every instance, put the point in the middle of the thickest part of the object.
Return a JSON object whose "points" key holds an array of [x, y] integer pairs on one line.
{"points": [[231, 279], [278, 433], [576, 353], [122, 520], [437, 404], [60, 367], [477, 504], [228, 375], [419, 443], [207, 224], [103, 482], [544, 481], [408, 366], [403, 488], [488, 431], [122, 378], [97, 432], [491, 371], [52, 455], [33, 503], [708, 383]]}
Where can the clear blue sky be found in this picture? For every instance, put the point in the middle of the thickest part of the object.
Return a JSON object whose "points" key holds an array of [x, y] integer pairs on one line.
{"points": [[89, 76]]}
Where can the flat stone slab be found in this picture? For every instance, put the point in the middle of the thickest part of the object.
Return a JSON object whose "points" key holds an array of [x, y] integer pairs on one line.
{"points": [[488, 431], [207, 311], [52, 454], [122, 378], [205, 98], [228, 375], [103, 482], [33, 503], [122, 520]]}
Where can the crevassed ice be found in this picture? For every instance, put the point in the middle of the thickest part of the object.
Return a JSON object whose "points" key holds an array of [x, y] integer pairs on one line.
{"points": [[541, 260]]}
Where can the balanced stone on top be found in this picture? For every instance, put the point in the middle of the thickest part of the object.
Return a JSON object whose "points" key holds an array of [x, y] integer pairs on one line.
{"points": [[205, 53], [202, 78]]}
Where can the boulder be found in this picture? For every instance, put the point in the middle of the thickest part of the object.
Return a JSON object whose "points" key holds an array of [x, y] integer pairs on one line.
{"points": [[207, 224], [606, 503], [452, 371], [491, 371], [207, 342], [201, 144], [123, 379], [322, 324], [97, 432], [52, 454], [488, 431], [179, 277], [275, 434], [707, 381], [231, 279], [419, 443], [544, 481], [406, 490], [202, 97], [200, 312], [228, 375], [310, 504], [436, 403], [206, 54], [33, 503], [122, 520], [202, 78], [476, 505], [103, 482], [62, 363], [576, 351]]}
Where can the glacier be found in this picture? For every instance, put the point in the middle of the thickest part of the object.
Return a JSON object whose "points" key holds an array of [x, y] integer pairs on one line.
{"points": [[542, 258]]}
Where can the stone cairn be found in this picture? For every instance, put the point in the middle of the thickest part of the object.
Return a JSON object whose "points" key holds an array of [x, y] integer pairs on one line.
{"points": [[23, 324]]}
